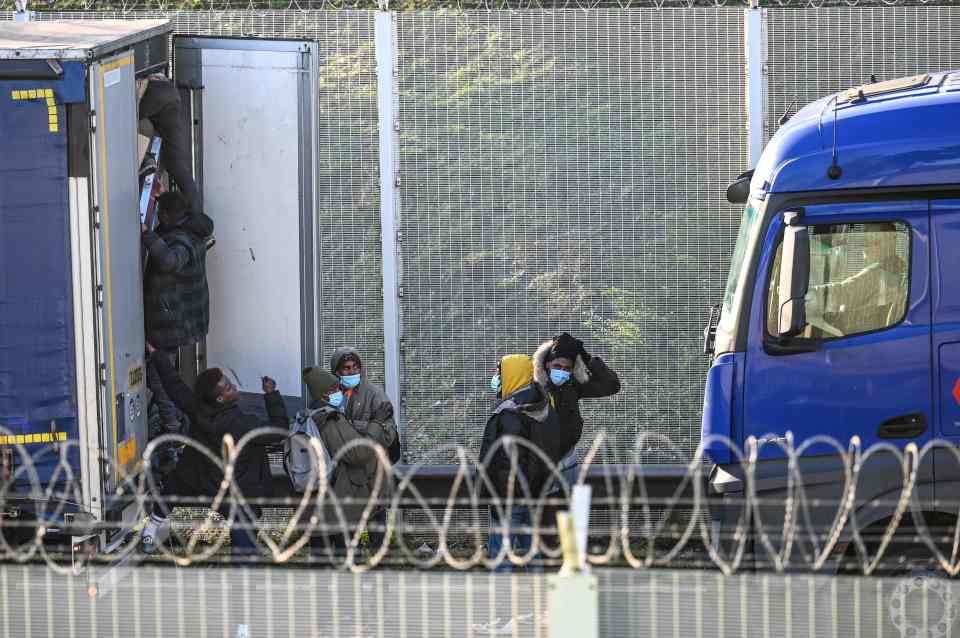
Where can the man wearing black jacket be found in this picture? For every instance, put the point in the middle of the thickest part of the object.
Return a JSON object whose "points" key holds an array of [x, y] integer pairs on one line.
{"points": [[567, 373], [524, 413], [214, 413], [176, 300]]}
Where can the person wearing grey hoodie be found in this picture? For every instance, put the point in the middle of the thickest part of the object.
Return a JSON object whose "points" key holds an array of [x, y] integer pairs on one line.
{"points": [[370, 413], [366, 405]]}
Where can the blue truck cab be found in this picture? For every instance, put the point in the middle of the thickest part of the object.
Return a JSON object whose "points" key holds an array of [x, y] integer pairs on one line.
{"points": [[841, 313]]}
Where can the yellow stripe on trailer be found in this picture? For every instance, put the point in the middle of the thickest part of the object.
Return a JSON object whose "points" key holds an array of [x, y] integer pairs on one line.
{"points": [[53, 121], [32, 439]]}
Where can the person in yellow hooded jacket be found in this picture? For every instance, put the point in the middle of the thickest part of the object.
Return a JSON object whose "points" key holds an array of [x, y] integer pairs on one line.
{"points": [[522, 411]]}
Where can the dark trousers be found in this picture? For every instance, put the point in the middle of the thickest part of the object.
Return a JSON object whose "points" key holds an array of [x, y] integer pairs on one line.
{"points": [[162, 106], [179, 493], [334, 543], [169, 413]]}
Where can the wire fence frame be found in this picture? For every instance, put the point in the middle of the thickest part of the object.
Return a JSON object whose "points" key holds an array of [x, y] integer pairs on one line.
{"points": [[776, 101]]}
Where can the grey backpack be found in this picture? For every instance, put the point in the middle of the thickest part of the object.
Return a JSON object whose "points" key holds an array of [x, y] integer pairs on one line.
{"points": [[299, 460]]}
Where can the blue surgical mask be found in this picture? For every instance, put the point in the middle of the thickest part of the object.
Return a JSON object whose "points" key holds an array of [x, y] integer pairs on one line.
{"points": [[495, 383], [559, 377], [350, 380], [335, 399]]}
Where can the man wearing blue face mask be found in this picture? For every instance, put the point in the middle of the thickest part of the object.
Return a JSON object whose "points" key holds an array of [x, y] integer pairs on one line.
{"points": [[354, 474], [365, 404], [370, 413], [567, 373]]}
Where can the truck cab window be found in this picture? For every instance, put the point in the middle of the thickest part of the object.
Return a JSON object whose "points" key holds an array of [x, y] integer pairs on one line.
{"points": [[859, 279]]}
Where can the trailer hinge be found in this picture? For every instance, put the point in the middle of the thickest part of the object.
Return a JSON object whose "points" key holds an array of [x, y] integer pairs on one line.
{"points": [[96, 216], [400, 292], [93, 121], [396, 182], [399, 236], [403, 344], [103, 374], [99, 295]]}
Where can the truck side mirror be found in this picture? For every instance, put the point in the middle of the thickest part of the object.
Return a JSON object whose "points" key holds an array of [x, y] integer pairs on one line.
{"points": [[794, 277], [739, 189]]}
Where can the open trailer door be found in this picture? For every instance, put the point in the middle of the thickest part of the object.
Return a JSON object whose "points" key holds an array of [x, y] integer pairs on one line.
{"points": [[119, 284], [255, 136]]}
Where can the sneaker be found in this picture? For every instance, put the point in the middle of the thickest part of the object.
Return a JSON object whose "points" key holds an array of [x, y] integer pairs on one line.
{"points": [[156, 531]]}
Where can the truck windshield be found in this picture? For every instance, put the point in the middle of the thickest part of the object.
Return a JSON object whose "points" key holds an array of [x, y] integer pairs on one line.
{"points": [[748, 224]]}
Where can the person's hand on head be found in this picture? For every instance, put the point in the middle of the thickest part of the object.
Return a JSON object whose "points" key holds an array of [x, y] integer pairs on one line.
{"points": [[567, 343]]}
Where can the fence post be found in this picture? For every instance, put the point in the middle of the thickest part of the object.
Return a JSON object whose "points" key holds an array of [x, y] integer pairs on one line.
{"points": [[755, 36], [573, 605], [387, 107]]}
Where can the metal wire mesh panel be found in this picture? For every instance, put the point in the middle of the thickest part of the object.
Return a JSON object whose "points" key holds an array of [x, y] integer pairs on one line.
{"points": [[151, 601], [814, 52], [349, 294], [564, 170]]}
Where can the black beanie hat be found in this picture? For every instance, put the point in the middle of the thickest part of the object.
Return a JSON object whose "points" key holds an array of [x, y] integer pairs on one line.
{"points": [[562, 347]]}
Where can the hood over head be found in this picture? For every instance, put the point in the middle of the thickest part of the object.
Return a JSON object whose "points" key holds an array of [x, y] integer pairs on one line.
{"points": [[516, 372], [340, 354], [543, 356], [518, 390]]}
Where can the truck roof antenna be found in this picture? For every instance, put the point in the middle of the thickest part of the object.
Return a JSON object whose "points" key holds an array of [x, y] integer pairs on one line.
{"points": [[786, 112], [834, 172]]}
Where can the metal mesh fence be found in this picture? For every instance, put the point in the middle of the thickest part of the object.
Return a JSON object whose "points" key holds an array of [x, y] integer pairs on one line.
{"points": [[564, 171], [560, 170], [249, 603], [812, 53]]}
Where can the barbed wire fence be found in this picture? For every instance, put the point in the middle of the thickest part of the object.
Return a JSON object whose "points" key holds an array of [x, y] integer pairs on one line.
{"points": [[639, 538], [452, 586], [646, 527]]}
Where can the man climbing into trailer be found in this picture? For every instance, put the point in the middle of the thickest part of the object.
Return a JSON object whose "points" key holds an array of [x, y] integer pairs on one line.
{"points": [[567, 373], [161, 112], [176, 301], [213, 409]]}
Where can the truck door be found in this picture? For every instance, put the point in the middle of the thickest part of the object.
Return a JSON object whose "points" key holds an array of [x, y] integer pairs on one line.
{"points": [[945, 222], [255, 158], [861, 366], [119, 286]]}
